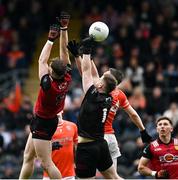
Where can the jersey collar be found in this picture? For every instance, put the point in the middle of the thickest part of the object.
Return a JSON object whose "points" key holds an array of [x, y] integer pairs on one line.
{"points": [[160, 142]]}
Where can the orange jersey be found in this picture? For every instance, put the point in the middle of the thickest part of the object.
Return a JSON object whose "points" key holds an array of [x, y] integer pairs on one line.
{"points": [[63, 158], [119, 101]]}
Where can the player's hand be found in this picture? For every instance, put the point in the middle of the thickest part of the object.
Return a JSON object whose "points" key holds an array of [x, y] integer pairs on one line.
{"points": [[53, 32], [73, 47], [64, 19], [146, 138], [56, 145], [162, 174], [86, 45]]}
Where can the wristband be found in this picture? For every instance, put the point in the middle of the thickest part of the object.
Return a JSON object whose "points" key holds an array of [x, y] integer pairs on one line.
{"points": [[153, 173], [50, 42], [63, 28]]}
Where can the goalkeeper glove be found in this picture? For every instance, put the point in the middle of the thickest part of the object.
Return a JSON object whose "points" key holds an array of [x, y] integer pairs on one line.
{"points": [[63, 20], [86, 45], [53, 32], [56, 145], [73, 47]]}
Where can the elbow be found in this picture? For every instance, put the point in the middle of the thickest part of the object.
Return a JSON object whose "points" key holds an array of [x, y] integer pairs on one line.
{"points": [[140, 169]]}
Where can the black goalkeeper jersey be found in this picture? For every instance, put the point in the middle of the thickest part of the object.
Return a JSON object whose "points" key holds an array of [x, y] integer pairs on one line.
{"points": [[93, 113]]}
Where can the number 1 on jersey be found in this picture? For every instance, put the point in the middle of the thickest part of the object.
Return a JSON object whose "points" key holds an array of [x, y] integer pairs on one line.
{"points": [[104, 115]]}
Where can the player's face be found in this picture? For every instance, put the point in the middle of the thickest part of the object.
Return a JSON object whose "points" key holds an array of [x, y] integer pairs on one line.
{"points": [[99, 83], [164, 128]]}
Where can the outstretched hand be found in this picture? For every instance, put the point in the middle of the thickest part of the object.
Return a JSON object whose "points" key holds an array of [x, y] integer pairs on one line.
{"points": [[73, 47], [146, 138], [56, 145], [86, 45], [53, 32], [63, 19], [162, 174]]}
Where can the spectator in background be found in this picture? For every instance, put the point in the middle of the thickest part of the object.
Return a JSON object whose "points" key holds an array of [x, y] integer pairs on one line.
{"points": [[156, 102], [135, 72], [13, 101], [149, 75], [110, 17], [172, 113], [138, 100]]}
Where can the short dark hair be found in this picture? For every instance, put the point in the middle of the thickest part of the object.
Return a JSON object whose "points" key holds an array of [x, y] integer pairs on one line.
{"points": [[163, 118], [58, 67], [118, 74], [110, 83]]}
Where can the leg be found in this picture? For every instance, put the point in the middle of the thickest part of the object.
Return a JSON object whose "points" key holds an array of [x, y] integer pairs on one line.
{"points": [[86, 159], [115, 163], [43, 152], [113, 147], [111, 173], [28, 160], [106, 166]]}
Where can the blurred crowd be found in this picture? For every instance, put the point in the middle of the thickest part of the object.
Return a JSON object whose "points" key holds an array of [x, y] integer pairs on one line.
{"points": [[143, 43]]}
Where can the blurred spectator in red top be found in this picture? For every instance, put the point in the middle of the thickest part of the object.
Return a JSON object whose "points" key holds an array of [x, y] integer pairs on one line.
{"points": [[137, 99], [13, 101]]}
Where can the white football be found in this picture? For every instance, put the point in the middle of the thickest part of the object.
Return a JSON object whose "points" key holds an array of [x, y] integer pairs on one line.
{"points": [[99, 31]]}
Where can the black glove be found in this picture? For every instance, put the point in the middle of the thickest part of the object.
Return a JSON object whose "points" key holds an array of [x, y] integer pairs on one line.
{"points": [[73, 47], [146, 138], [86, 45], [53, 32], [162, 174], [63, 20], [56, 145]]}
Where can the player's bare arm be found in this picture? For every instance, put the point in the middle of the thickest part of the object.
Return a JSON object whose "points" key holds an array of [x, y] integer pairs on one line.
{"points": [[94, 72], [63, 40], [135, 117], [143, 167], [87, 79], [78, 64], [46, 51]]}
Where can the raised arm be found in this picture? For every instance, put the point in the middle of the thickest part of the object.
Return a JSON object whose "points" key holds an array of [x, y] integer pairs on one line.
{"points": [[94, 72], [63, 40], [73, 47], [46, 51], [87, 79]]}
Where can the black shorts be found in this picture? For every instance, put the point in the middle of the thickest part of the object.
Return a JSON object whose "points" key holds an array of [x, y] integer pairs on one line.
{"points": [[43, 128], [91, 156]]}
